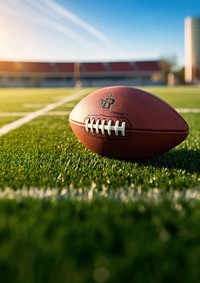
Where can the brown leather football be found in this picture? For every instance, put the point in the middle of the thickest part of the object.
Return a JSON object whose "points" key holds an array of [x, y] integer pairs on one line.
{"points": [[127, 123]]}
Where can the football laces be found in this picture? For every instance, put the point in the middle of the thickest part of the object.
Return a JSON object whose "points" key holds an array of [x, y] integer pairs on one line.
{"points": [[103, 127]]}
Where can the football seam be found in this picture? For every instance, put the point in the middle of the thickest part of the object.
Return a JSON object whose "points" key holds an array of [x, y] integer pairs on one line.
{"points": [[130, 130]]}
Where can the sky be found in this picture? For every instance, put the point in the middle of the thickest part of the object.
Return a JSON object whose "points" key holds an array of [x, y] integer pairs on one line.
{"points": [[91, 30]]}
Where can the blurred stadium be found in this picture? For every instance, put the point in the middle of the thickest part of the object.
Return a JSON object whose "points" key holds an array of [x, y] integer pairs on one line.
{"points": [[89, 74]]}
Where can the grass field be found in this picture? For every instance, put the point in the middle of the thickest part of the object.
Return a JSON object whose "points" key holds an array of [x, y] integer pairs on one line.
{"points": [[68, 215]]}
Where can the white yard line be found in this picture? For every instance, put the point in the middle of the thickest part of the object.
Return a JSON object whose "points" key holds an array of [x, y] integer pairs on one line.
{"points": [[29, 117], [60, 113], [188, 110], [39, 105], [124, 194], [21, 114], [13, 114], [35, 105]]}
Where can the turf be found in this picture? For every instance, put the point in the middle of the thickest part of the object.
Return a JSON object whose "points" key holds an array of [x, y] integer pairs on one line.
{"points": [[22, 99], [68, 215]]}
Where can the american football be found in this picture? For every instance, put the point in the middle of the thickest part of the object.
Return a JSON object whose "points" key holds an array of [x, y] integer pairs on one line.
{"points": [[127, 123], [99, 141]]}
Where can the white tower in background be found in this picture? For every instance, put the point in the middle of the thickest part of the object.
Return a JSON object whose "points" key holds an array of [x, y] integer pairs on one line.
{"points": [[192, 49]]}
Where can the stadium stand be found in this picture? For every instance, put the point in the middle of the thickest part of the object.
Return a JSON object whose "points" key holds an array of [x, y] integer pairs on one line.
{"points": [[121, 67], [10, 67], [147, 66], [67, 74], [65, 67], [37, 67], [94, 68]]}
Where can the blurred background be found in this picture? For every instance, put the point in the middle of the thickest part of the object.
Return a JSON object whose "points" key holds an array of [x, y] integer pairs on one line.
{"points": [[65, 43]]}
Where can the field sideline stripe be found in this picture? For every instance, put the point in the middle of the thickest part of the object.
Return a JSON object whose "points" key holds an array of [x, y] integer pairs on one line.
{"points": [[123, 194], [188, 110], [60, 113], [18, 123], [20, 114]]}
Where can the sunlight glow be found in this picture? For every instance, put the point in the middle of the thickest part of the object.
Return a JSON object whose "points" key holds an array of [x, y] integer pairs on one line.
{"points": [[25, 29]]}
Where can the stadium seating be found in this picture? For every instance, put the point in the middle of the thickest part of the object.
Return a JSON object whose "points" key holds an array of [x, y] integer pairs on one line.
{"points": [[10, 67], [93, 68], [67, 74], [120, 67], [38, 67], [64, 67], [146, 66]]}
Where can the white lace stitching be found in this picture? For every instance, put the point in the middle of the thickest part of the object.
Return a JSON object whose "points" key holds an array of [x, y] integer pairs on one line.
{"points": [[96, 126]]}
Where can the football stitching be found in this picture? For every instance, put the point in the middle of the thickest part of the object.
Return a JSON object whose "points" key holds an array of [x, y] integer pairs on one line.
{"points": [[95, 126]]}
